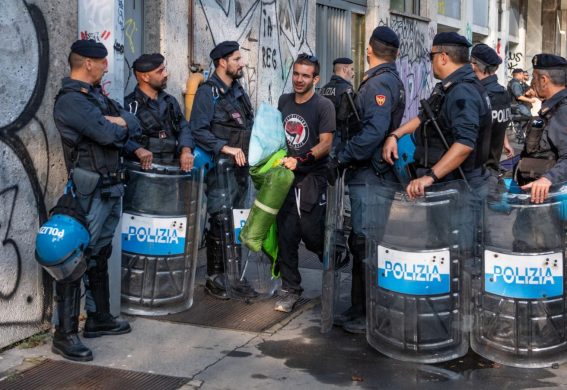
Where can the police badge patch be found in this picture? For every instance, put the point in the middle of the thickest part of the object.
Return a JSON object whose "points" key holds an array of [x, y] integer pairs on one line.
{"points": [[380, 100]]}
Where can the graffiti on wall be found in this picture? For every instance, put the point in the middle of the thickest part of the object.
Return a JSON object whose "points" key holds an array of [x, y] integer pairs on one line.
{"points": [[24, 163], [513, 61], [413, 61], [271, 33], [103, 21]]}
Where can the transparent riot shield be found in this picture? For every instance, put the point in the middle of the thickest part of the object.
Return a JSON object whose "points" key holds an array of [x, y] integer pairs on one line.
{"points": [[416, 289], [248, 275], [519, 300], [160, 238], [331, 278]]}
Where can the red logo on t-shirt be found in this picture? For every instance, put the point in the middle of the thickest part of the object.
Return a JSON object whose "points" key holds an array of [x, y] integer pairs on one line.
{"points": [[296, 131]]}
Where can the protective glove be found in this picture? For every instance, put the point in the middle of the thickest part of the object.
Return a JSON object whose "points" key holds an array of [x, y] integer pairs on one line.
{"points": [[334, 169]]}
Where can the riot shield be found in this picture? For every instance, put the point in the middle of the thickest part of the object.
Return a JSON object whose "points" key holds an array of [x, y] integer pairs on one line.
{"points": [[248, 275], [519, 300], [331, 277], [416, 289], [160, 238]]}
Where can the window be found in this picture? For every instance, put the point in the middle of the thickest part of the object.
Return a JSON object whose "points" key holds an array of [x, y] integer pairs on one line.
{"points": [[451, 8], [480, 14], [514, 17], [407, 6]]}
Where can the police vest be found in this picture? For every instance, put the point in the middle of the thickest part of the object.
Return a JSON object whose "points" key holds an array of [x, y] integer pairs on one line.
{"points": [[159, 135], [501, 114], [87, 154], [333, 91], [533, 147], [429, 146], [232, 122]]}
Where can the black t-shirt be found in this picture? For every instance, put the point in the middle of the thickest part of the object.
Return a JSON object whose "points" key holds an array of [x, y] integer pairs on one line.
{"points": [[303, 123]]}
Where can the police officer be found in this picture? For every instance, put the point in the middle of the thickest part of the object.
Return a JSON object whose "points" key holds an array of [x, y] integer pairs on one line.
{"points": [[380, 103], [485, 62], [221, 123], [518, 91], [544, 158], [94, 130], [341, 80], [166, 133], [462, 109]]}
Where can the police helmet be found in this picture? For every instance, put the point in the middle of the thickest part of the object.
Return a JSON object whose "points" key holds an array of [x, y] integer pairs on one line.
{"points": [[202, 160], [60, 244]]}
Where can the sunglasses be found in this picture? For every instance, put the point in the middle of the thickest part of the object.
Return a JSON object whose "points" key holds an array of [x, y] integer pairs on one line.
{"points": [[308, 57], [432, 54]]}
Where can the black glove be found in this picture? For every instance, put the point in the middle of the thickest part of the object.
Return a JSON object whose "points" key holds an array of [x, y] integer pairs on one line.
{"points": [[334, 170]]}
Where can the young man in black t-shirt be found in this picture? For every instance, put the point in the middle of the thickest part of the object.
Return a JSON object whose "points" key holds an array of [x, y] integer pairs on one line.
{"points": [[309, 122]]}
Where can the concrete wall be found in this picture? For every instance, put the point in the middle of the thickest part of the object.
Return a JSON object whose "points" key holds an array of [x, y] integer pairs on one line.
{"points": [[271, 34], [35, 37], [166, 31]]}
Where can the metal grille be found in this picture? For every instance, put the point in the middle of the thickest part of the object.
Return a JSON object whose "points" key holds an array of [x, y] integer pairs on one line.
{"points": [[63, 375], [333, 38], [257, 316]]}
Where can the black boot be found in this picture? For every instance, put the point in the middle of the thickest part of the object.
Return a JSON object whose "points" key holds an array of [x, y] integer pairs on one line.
{"points": [[101, 322], [215, 283], [66, 341]]}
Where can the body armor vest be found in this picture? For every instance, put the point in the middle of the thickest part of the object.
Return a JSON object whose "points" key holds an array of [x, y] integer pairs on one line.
{"points": [[429, 148], [538, 129], [158, 136], [234, 122], [87, 154], [501, 114]]}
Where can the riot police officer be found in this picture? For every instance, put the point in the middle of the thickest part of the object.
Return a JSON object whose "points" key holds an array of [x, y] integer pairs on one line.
{"points": [[166, 133], [485, 62], [221, 123], [94, 130], [544, 157], [461, 108], [341, 80], [380, 102]]}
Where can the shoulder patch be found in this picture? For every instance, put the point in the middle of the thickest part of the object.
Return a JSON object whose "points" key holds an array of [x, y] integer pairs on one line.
{"points": [[380, 100], [84, 90]]}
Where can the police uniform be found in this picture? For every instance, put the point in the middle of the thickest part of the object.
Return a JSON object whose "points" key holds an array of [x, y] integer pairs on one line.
{"points": [[516, 89], [380, 102], [164, 128], [92, 148], [222, 115], [335, 90], [499, 103], [462, 108], [544, 155]]}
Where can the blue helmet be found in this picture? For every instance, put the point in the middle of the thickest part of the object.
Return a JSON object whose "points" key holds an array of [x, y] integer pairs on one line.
{"points": [[202, 160], [59, 247]]}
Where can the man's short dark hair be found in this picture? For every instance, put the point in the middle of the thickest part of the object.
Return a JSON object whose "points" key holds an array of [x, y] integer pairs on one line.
{"points": [[557, 76], [457, 53], [384, 52], [310, 60], [75, 60]]}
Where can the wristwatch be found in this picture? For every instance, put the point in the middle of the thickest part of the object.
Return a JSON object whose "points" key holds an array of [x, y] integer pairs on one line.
{"points": [[432, 175]]}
